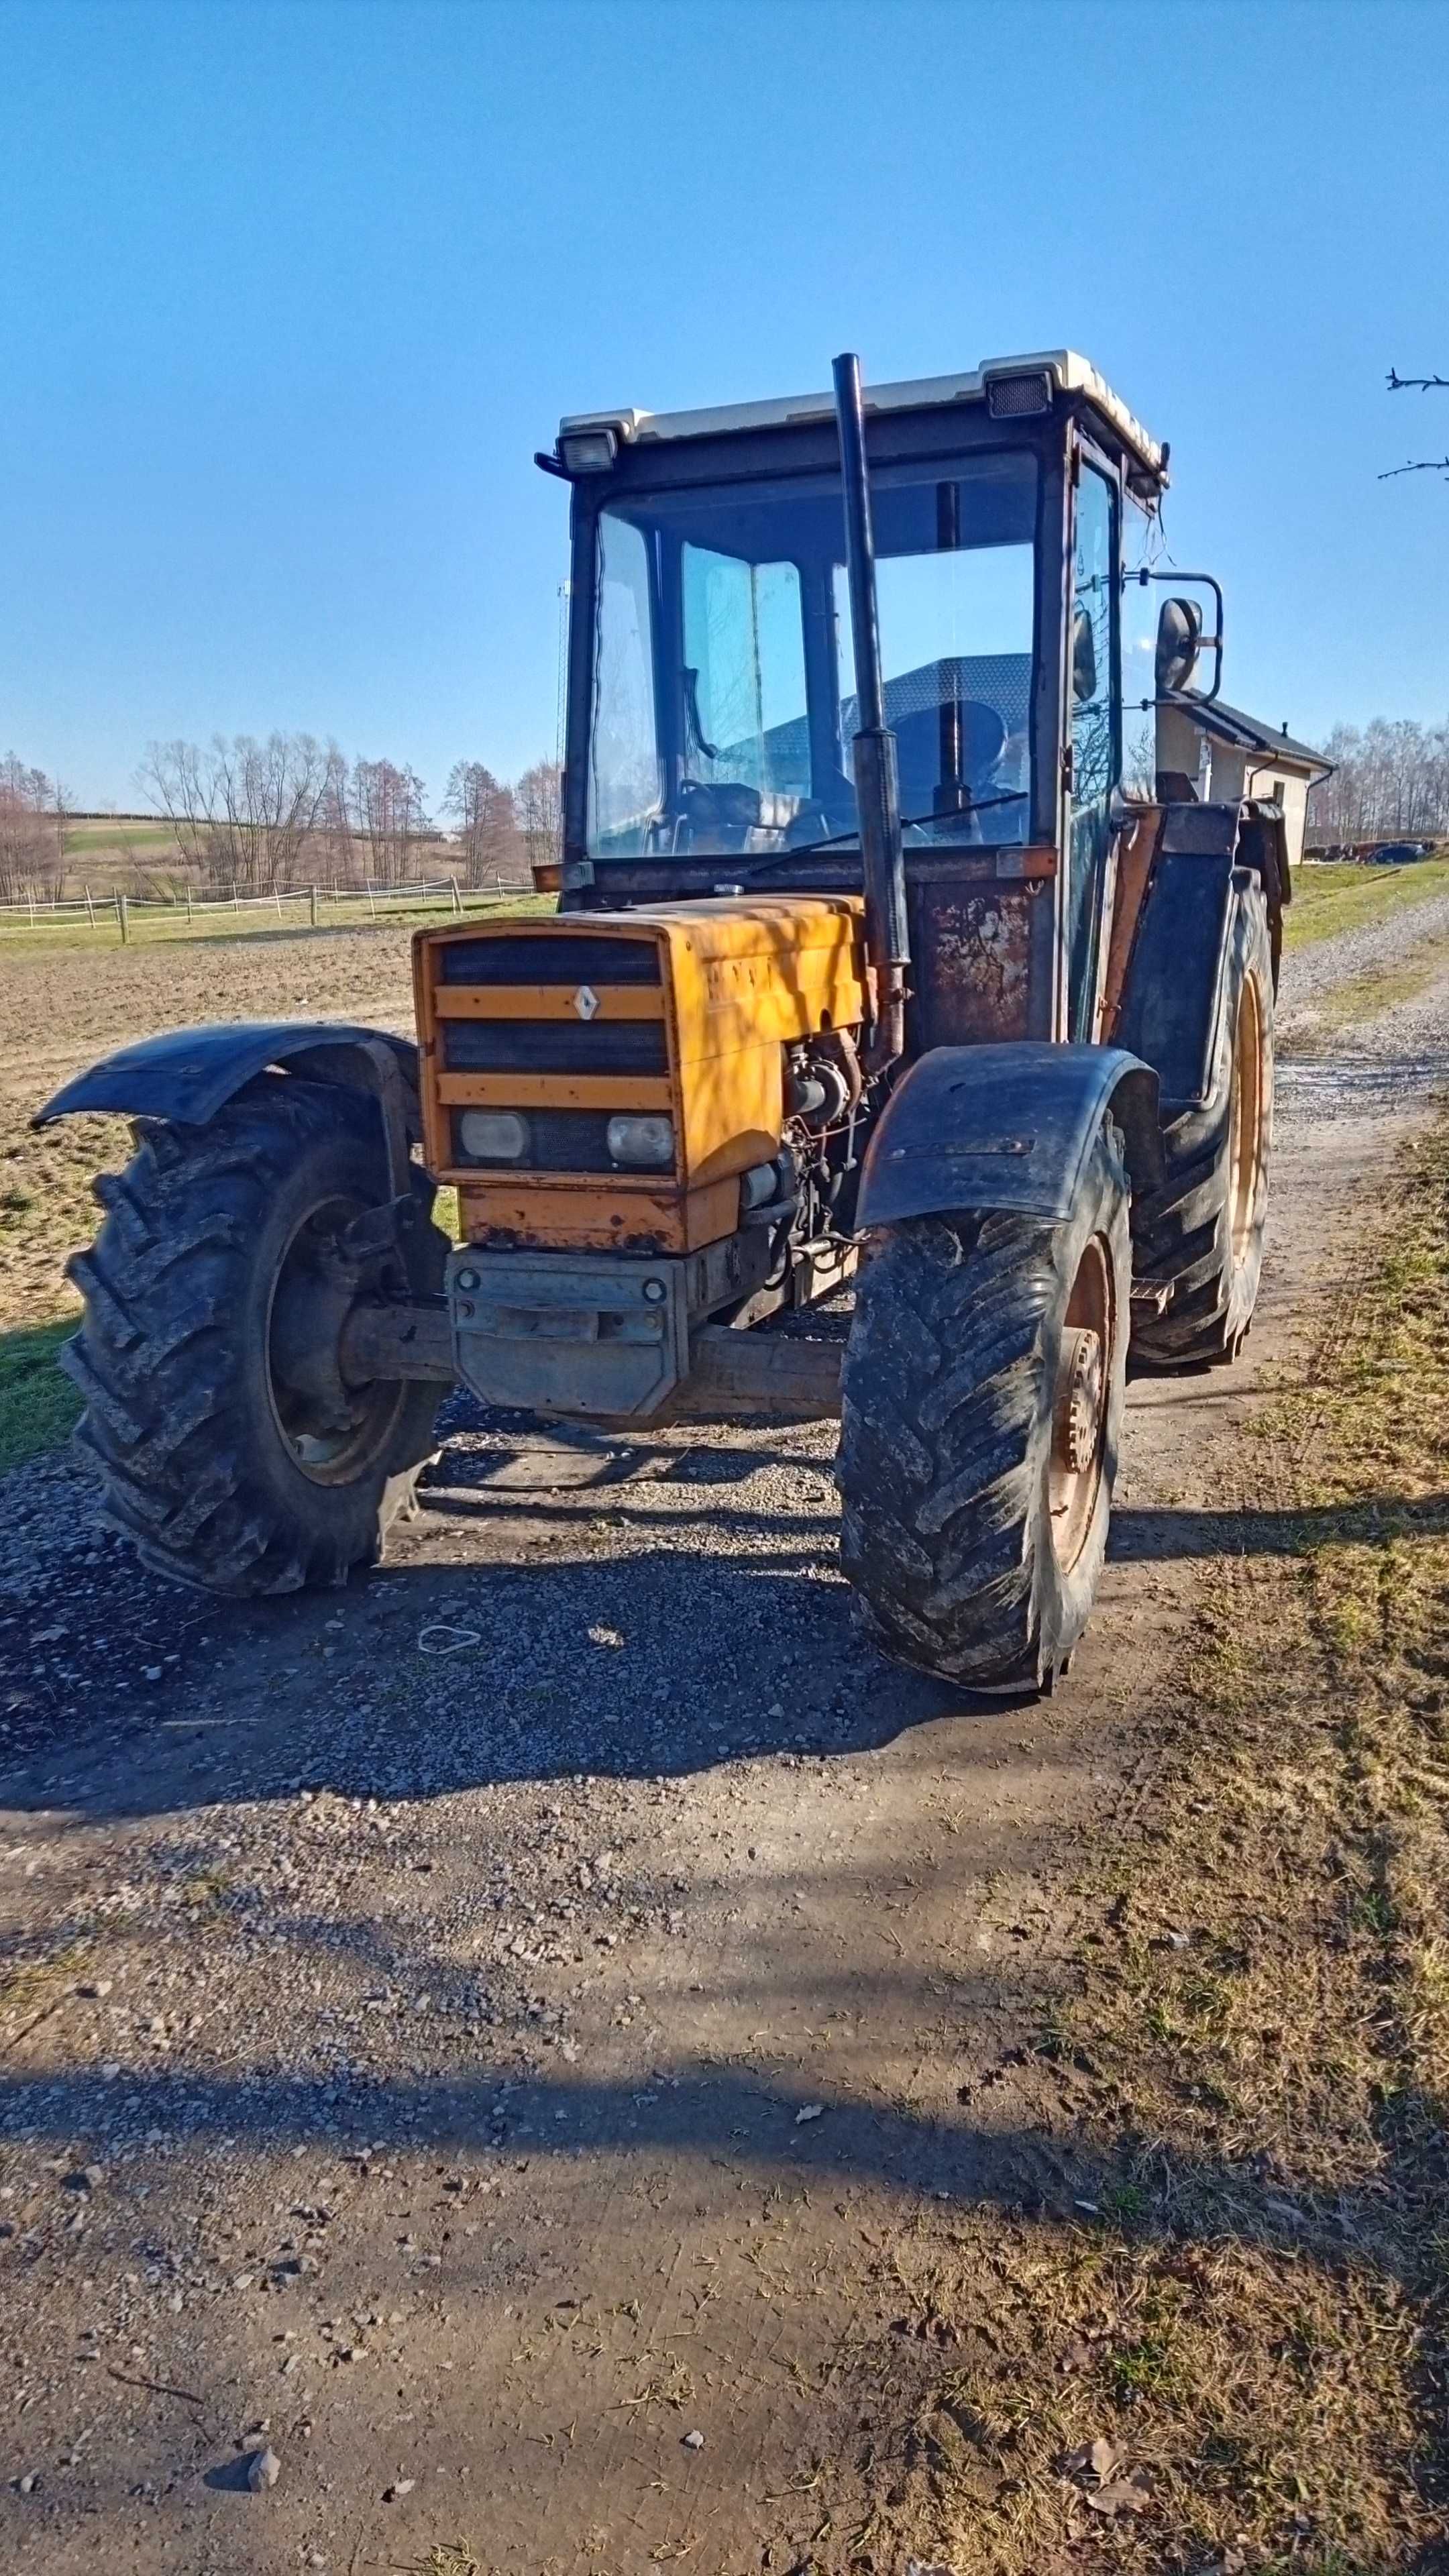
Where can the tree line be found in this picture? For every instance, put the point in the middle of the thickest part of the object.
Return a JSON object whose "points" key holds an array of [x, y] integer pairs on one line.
{"points": [[1390, 782], [280, 812], [292, 810]]}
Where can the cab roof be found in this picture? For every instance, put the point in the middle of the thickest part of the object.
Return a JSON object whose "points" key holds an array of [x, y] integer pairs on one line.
{"points": [[1069, 371]]}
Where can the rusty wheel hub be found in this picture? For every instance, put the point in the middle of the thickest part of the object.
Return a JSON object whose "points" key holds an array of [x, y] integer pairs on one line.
{"points": [[1079, 1400], [1079, 1404]]}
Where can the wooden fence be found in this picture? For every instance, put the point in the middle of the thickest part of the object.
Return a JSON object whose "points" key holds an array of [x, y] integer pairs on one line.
{"points": [[44, 911]]}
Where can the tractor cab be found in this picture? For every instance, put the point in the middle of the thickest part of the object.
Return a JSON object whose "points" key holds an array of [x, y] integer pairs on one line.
{"points": [[713, 696]]}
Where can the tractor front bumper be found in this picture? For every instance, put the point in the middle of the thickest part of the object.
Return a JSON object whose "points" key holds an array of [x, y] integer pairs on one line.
{"points": [[589, 1337], [559, 1333]]}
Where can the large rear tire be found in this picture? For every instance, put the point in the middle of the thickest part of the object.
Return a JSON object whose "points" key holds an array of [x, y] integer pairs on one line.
{"points": [[981, 1409], [1199, 1238], [223, 1455]]}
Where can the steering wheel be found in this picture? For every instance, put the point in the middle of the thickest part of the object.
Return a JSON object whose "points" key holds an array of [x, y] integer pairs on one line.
{"points": [[918, 740]]}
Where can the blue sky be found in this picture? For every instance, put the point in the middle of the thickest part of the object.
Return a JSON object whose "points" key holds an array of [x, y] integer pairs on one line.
{"points": [[291, 292]]}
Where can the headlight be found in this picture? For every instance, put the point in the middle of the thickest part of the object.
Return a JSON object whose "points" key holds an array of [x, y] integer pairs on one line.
{"points": [[493, 1135], [647, 1144]]}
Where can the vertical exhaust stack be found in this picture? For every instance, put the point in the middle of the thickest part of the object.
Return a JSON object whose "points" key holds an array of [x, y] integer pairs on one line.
{"points": [[877, 792]]}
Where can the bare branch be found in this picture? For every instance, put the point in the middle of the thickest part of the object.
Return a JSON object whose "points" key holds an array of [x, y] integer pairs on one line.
{"points": [[1423, 465], [1416, 384]]}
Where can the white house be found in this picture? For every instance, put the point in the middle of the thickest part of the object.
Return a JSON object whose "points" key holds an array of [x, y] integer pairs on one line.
{"points": [[1225, 754]]}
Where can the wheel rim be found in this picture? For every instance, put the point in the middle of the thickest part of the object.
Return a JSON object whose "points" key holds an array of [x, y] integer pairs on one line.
{"points": [[332, 1433], [1246, 1114], [1080, 1404]]}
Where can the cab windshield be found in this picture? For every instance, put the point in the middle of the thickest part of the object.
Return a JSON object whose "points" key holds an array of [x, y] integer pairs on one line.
{"points": [[723, 683]]}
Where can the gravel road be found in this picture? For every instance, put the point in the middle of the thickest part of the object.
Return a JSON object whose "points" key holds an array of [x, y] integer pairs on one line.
{"points": [[469, 2035], [1310, 975]]}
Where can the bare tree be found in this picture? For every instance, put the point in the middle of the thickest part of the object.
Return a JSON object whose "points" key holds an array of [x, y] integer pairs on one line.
{"points": [[540, 812], [1390, 781], [489, 837], [333, 844], [242, 811], [388, 818], [32, 852], [1417, 385]]}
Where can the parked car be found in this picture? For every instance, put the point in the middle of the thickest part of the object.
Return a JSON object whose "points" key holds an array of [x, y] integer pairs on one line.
{"points": [[1396, 854]]}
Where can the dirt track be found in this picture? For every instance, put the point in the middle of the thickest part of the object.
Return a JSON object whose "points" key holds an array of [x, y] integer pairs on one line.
{"points": [[548, 2001]]}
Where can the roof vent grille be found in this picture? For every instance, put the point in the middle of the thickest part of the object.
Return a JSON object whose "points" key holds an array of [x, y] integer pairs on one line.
{"points": [[1019, 397]]}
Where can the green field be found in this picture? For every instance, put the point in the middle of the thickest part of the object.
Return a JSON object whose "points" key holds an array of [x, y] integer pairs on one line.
{"points": [[117, 839], [1332, 898], [37, 1404]]}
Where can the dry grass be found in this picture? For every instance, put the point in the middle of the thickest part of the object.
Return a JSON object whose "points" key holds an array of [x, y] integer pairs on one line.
{"points": [[1255, 2054]]}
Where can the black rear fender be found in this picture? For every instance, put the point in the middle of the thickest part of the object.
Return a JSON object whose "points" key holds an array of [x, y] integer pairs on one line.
{"points": [[1007, 1127]]}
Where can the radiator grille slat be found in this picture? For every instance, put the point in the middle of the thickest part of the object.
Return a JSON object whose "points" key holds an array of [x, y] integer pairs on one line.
{"points": [[554, 1046], [568, 958]]}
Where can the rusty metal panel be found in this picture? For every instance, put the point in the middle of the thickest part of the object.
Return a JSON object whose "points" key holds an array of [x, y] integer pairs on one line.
{"points": [[972, 961]]}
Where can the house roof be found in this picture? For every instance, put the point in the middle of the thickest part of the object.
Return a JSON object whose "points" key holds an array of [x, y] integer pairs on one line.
{"points": [[1069, 371], [1229, 724]]}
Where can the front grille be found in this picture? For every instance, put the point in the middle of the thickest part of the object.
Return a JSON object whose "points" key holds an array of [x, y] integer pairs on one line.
{"points": [[554, 1046], [559, 1140], [567, 958], [540, 1051]]}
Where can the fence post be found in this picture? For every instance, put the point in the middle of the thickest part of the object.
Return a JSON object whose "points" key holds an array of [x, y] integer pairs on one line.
{"points": [[277, 891], [188, 904], [372, 899], [235, 896], [123, 922], [314, 907], [457, 899], [90, 909], [30, 899]]}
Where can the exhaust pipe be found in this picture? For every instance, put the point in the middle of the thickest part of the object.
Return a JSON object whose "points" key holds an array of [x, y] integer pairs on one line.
{"points": [[877, 790]]}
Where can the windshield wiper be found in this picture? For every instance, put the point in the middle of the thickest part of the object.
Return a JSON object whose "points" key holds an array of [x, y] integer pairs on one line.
{"points": [[909, 822]]}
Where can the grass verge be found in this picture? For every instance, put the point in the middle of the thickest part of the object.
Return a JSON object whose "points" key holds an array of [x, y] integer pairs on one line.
{"points": [[37, 1405], [1333, 898], [1224, 2348]]}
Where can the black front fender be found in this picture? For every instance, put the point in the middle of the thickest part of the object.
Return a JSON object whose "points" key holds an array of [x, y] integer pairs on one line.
{"points": [[189, 1074], [1006, 1127]]}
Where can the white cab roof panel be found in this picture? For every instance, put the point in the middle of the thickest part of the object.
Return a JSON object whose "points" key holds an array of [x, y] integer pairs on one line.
{"points": [[1070, 372]]}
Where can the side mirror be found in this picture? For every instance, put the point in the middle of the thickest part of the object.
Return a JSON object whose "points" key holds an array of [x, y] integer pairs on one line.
{"points": [[1084, 658], [1181, 640], [1179, 643]]}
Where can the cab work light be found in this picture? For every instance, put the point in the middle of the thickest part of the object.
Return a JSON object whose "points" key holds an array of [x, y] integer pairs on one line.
{"points": [[1019, 397], [588, 451]]}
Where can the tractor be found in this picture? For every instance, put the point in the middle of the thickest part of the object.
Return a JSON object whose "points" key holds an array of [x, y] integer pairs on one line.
{"points": [[900, 1048]]}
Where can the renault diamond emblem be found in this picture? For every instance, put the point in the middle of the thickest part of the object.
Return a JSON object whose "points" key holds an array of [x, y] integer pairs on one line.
{"points": [[586, 1001]]}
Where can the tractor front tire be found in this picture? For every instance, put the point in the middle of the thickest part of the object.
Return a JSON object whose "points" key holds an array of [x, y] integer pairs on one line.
{"points": [[225, 1471], [981, 1409], [1198, 1238]]}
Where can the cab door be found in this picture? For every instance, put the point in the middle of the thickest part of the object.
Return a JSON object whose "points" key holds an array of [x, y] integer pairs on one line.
{"points": [[1094, 700]]}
